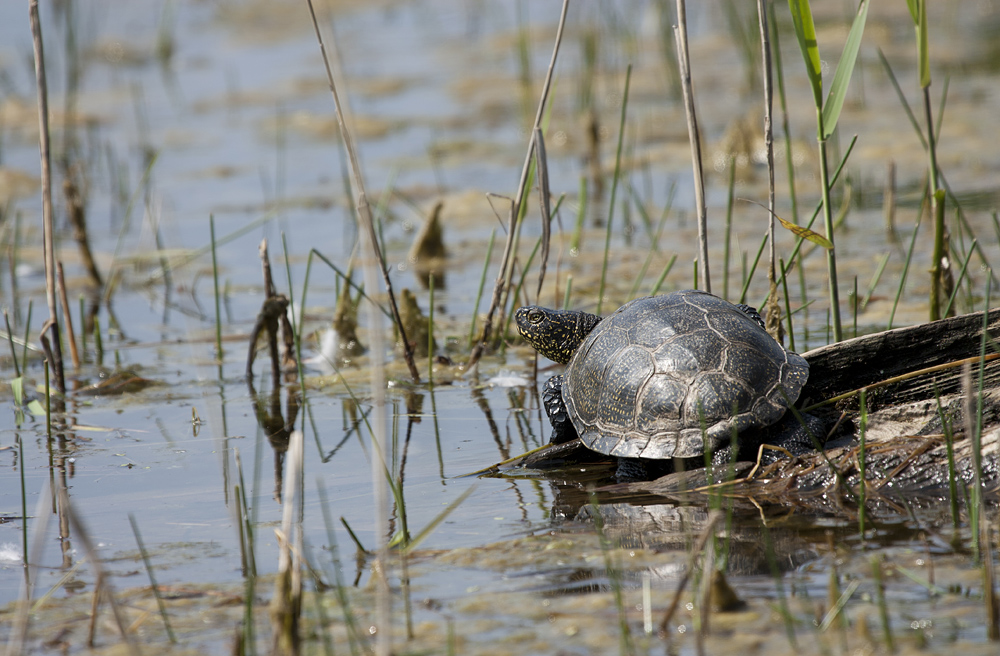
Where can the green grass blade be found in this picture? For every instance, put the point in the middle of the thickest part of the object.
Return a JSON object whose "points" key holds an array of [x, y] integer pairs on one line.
{"points": [[805, 32], [923, 57], [614, 185], [440, 517], [842, 76], [958, 281]]}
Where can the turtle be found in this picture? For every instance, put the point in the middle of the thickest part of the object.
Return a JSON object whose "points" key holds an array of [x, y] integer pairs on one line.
{"points": [[665, 377]]}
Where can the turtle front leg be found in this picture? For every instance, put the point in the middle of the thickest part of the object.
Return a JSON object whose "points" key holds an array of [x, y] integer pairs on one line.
{"points": [[555, 408]]}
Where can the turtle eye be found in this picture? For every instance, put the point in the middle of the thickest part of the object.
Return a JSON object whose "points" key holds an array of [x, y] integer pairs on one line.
{"points": [[535, 315]]}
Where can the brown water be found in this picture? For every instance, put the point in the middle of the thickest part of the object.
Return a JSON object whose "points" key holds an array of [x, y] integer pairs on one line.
{"points": [[241, 126]]}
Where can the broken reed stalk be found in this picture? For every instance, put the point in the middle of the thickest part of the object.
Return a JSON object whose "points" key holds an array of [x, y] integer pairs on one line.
{"points": [[502, 280], [286, 605], [47, 221], [64, 301], [680, 34], [363, 207]]}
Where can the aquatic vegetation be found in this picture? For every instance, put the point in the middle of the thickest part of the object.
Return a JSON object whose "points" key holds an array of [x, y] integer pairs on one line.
{"points": [[149, 477]]}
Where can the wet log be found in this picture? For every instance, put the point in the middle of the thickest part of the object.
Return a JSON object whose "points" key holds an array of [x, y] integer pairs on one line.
{"points": [[866, 361]]}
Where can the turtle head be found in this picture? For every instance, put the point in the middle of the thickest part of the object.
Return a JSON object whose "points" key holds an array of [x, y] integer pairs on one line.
{"points": [[556, 334]]}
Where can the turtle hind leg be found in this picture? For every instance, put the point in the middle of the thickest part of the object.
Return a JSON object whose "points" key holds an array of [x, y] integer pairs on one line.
{"points": [[555, 409], [800, 434], [641, 469], [789, 434]]}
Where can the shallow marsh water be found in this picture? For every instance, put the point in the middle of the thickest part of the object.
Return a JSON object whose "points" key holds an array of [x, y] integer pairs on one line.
{"points": [[241, 126]]}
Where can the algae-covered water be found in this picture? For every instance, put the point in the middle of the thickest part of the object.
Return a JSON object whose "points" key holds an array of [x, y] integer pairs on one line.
{"points": [[170, 117]]}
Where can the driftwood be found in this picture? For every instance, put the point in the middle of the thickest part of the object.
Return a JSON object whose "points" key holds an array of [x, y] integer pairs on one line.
{"points": [[870, 360]]}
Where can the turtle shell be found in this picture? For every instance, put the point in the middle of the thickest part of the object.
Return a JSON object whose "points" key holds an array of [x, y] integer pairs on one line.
{"points": [[663, 374]]}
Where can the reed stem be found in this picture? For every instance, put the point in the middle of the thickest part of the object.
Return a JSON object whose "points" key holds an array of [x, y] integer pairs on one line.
{"points": [[694, 138], [47, 218]]}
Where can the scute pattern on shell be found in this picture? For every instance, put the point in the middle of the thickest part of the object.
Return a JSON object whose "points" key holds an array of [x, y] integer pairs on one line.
{"points": [[652, 374]]}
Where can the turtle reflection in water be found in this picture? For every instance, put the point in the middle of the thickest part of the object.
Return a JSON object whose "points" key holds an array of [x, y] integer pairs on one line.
{"points": [[672, 376]]}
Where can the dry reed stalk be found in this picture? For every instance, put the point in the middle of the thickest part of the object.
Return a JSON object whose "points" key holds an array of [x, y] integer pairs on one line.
{"points": [[47, 222], [286, 605], [684, 62], [361, 202], [506, 271], [383, 635]]}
